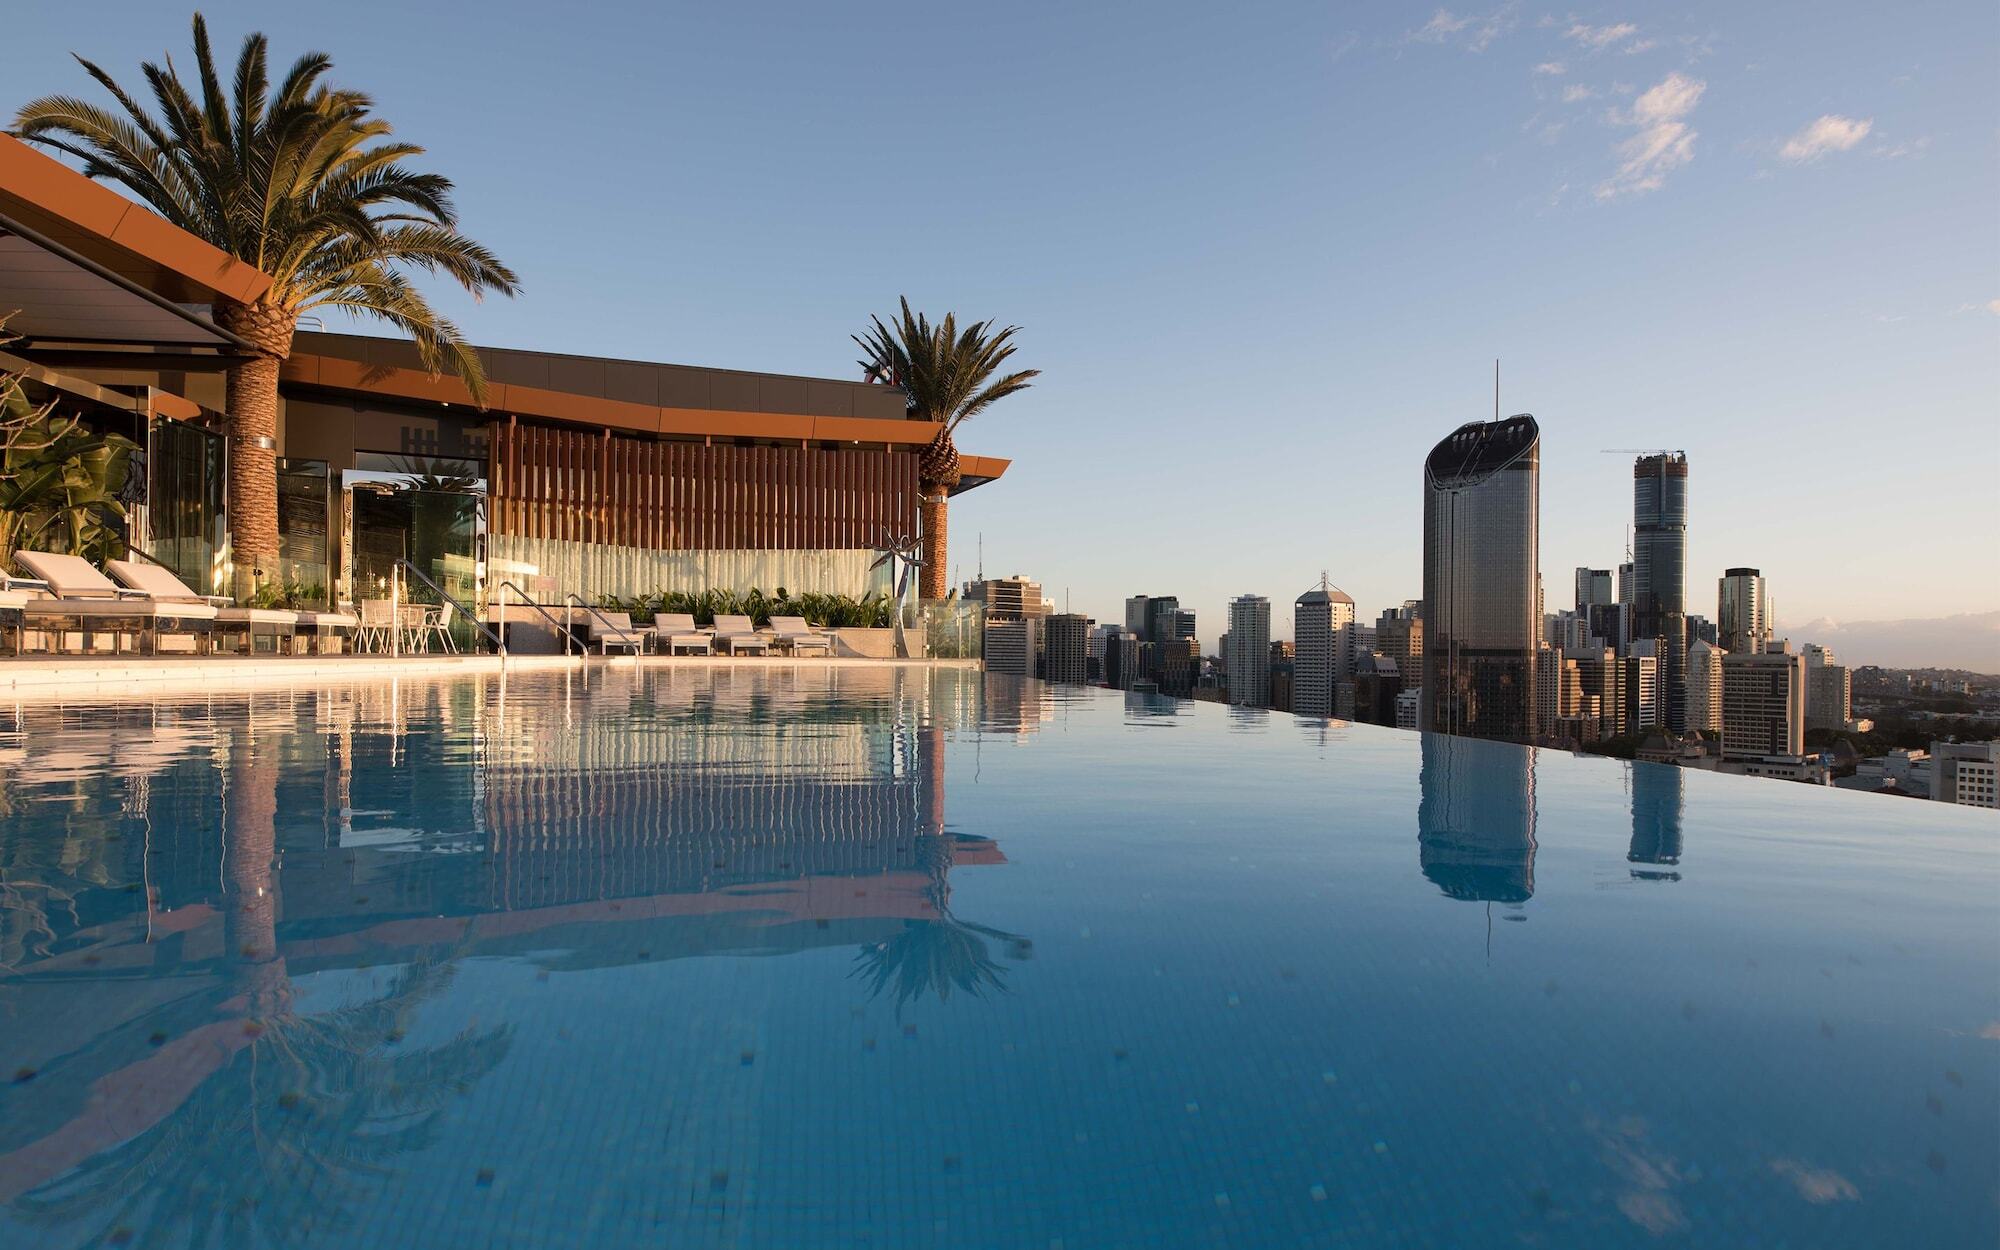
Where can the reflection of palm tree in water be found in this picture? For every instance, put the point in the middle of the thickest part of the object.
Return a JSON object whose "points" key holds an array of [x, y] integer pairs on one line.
{"points": [[273, 1144], [946, 953], [938, 955]]}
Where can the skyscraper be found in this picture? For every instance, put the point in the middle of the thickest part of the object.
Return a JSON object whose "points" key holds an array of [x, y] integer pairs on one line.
{"points": [[1704, 688], [1593, 586], [1247, 656], [1161, 611], [1135, 614], [1829, 689], [1482, 516], [1317, 618], [1742, 617], [1659, 573], [1066, 656]]}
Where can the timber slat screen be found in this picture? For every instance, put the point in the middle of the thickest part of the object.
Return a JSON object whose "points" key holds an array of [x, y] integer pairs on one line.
{"points": [[577, 486]]}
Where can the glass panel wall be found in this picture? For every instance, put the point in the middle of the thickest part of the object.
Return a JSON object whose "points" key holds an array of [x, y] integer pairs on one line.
{"points": [[303, 570], [430, 511], [184, 504]]}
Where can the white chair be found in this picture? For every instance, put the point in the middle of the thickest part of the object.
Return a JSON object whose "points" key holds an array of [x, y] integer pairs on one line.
{"points": [[437, 624], [378, 622]]}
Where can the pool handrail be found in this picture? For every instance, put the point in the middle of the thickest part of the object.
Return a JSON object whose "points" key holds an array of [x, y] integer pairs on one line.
{"points": [[499, 643], [561, 627]]}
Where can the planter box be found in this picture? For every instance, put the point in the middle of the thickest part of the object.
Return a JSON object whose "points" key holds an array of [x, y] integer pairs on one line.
{"points": [[874, 644]]}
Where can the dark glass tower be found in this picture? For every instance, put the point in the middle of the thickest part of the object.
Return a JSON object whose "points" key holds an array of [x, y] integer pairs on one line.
{"points": [[1482, 624], [1659, 572]]}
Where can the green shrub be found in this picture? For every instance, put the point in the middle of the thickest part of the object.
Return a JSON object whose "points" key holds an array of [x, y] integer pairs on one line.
{"points": [[825, 611]]}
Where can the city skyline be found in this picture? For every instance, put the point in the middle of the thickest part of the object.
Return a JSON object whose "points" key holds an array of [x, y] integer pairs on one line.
{"points": [[1800, 298]]}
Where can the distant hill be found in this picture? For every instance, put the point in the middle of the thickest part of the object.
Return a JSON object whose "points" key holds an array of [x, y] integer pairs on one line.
{"points": [[1969, 641]]}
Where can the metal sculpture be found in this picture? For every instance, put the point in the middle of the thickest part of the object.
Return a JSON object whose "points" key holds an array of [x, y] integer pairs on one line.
{"points": [[904, 556]]}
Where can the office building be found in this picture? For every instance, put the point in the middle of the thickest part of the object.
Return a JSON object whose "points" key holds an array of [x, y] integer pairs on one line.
{"points": [[1318, 617], [1593, 587], [1282, 656], [1121, 660], [1183, 625], [1966, 773], [1377, 684], [1179, 668], [1600, 675], [1482, 513], [1010, 646], [1742, 613], [1247, 656], [1135, 614], [1764, 703], [1704, 688], [1399, 634], [1161, 614], [1066, 648], [1659, 574]]}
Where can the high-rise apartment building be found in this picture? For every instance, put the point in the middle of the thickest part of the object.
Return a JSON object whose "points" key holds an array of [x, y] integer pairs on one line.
{"points": [[1409, 704], [1764, 703], [1482, 624], [1248, 654], [1317, 620], [1704, 688], [1829, 689], [1966, 773], [1066, 648], [1659, 574], [1009, 598], [1593, 587], [1742, 614], [1643, 694]]}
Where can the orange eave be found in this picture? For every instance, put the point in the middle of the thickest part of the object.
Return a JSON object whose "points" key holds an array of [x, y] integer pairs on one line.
{"points": [[50, 198], [338, 374]]}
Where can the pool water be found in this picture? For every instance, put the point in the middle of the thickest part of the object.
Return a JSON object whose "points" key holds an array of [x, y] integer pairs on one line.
{"points": [[852, 956]]}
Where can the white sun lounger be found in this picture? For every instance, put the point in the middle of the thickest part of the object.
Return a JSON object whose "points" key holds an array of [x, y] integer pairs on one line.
{"points": [[615, 629], [280, 625], [86, 602], [676, 631], [735, 634], [794, 635]]}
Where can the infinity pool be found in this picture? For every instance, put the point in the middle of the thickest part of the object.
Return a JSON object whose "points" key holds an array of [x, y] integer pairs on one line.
{"points": [[889, 957]]}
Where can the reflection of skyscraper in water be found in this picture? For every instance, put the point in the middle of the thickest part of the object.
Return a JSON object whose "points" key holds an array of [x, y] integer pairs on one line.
{"points": [[1476, 818], [1656, 821]]}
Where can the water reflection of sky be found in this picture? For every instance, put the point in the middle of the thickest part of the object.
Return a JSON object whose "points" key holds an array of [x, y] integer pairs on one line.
{"points": [[816, 957]]}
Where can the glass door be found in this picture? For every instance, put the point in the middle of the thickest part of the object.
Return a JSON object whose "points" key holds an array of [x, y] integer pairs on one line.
{"points": [[185, 523], [430, 512]]}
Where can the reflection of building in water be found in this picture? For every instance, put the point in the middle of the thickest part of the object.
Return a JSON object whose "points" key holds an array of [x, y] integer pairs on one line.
{"points": [[1656, 820], [212, 852], [1016, 705], [1476, 818]]}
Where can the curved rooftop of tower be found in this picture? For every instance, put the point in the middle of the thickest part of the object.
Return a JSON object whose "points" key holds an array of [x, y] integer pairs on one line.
{"points": [[1478, 449]]}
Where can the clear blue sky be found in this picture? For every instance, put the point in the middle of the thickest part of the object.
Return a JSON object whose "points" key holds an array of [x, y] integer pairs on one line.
{"points": [[1266, 256]]}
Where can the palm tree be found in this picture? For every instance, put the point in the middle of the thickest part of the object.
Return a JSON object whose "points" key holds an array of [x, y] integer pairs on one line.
{"points": [[301, 183], [949, 377]]}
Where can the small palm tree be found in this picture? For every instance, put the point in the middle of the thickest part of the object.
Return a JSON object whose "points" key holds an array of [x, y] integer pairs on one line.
{"points": [[950, 376], [301, 183]]}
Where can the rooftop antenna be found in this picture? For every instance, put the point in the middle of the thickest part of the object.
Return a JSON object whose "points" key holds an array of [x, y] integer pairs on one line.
{"points": [[1496, 388], [981, 574]]}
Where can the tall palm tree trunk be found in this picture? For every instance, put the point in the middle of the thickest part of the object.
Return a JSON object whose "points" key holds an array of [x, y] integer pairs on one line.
{"points": [[251, 397], [934, 582]]}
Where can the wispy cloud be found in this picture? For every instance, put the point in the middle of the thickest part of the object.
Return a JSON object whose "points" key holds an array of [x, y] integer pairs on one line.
{"points": [[1469, 30], [1663, 142], [1442, 26], [1577, 91], [1600, 36], [1552, 68], [1831, 133], [1908, 147]]}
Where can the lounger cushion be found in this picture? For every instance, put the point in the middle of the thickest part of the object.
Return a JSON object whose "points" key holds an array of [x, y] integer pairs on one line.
{"points": [[328, 620], [69, 576], [160, 583], [256, 616]]}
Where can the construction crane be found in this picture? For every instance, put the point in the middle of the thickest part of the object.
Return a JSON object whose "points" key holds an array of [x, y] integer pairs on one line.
{"points": [[1642, 451]]}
